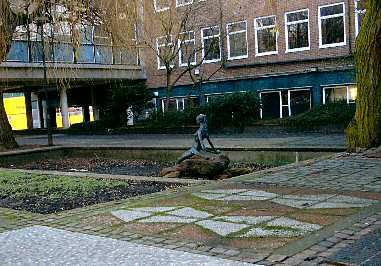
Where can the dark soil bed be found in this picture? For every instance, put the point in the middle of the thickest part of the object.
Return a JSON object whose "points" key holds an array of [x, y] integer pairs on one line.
{"points": [[48, 194], [111, 166]]}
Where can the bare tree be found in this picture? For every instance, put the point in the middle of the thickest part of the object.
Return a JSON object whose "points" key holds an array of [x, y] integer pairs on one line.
{"points": [[49, 22], [169, 33]]}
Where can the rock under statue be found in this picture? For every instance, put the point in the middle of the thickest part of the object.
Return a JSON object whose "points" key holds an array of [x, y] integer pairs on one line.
{"points": [[198, 147], [199, 161]]}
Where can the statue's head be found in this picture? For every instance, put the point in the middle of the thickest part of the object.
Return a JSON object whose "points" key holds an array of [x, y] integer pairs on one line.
{"points": [[201, 119]]}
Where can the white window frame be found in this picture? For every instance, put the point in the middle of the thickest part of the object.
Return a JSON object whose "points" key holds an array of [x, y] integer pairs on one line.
{"points": [[320, 18], [186, 4], [358, 12], [256, 29], [157, 9], [307, 48], [210, 37], [288, 104], [233, 33], [158, 46], [339, 86], [178, 100], [180, 42]]}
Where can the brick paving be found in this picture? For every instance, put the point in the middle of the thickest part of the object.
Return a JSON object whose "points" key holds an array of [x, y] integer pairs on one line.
{"points": [[351, 175]]}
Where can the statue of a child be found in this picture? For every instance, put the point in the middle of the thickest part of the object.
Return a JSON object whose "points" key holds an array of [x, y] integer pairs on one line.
{"points": [[198, 144]]}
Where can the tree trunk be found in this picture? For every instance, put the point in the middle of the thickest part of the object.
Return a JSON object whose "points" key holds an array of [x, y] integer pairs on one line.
{"points": [[6, 136], [8, 22], [365, 129]]}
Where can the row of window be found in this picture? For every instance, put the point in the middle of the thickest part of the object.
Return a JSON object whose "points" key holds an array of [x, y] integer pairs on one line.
{"points": [[278, 103], [163, 5], [96, 47], [332, 33], [23, 51]]}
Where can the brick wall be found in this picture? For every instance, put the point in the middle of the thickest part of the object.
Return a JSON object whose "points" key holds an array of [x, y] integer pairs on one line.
{"points": [[208, 15]]}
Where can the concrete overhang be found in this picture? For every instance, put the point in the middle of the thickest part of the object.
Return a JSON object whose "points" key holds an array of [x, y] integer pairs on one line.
{"points": [[14, 74]]}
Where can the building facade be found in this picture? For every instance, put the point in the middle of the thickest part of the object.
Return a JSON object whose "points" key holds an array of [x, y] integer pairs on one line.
{"points": [[295, 54], [45, 63]]}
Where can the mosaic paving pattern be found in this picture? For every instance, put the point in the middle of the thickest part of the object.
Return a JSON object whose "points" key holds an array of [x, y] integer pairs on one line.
{"points": [[40, 245], [258, 226], [320, 201]]}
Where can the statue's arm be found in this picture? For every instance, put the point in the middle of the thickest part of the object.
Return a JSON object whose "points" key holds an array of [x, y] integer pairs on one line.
{"points": [[199, 135], [210, 143]]}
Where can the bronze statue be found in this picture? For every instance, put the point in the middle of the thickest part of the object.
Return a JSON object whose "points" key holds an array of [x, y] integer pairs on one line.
{"points": [[198, 147]]}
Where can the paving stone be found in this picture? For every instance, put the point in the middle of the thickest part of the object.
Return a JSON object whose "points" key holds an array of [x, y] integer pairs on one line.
{"points": [[246, 219], [190, 212], [238, 197], [319, 197], [259, 193], [336, 205], [261, 232], [129, 216], [209, 196], [225, 191], [47, 246], [353, 200], [221, 228], [168, 219], [154, 209], [294, 203], [294, 224]]}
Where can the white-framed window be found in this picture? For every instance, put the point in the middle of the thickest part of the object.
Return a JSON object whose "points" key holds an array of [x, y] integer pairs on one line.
{"points": [[237, 40], [285, 102], [359, 14], [161, 5], [266, 36], [332, 25], [187, 48], [211, 44], [340, 93], [164, 46], [179, 103], [180, 3], [297, 31]]}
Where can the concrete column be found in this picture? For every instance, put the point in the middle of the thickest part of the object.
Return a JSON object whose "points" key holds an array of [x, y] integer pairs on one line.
{"points": [[41, 111], [86, 114], [28, 109], [95, 113], [64, 108], [94, 105]]}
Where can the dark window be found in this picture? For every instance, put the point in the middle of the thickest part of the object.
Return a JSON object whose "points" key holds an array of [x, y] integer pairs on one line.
{"points": [[300, 101], [332, 25], [266, 35], [298, 30], [270, 105]]}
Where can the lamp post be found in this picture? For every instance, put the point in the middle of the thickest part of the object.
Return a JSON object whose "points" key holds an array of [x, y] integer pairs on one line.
{"points": [[40, 23]]}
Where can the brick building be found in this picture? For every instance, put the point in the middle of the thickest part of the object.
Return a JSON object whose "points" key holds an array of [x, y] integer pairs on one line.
{"points": [[295, 54]]}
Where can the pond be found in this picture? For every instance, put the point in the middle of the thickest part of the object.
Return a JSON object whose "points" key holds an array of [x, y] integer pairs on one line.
{"points": [[143, 161]]}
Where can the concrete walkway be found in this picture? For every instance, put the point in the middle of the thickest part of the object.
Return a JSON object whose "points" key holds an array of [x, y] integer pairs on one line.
{"points": [[259, 140]]}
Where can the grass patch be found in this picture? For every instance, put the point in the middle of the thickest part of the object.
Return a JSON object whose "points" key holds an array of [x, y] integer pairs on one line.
{"points": [[48, 194]]}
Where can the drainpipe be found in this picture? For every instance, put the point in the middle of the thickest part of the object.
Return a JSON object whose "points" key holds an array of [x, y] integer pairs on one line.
{"points": [[349, 28]]}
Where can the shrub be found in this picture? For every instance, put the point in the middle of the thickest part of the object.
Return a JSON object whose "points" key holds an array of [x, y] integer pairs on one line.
{"points": [[235, 110], [336, 114], [123, 96]]}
